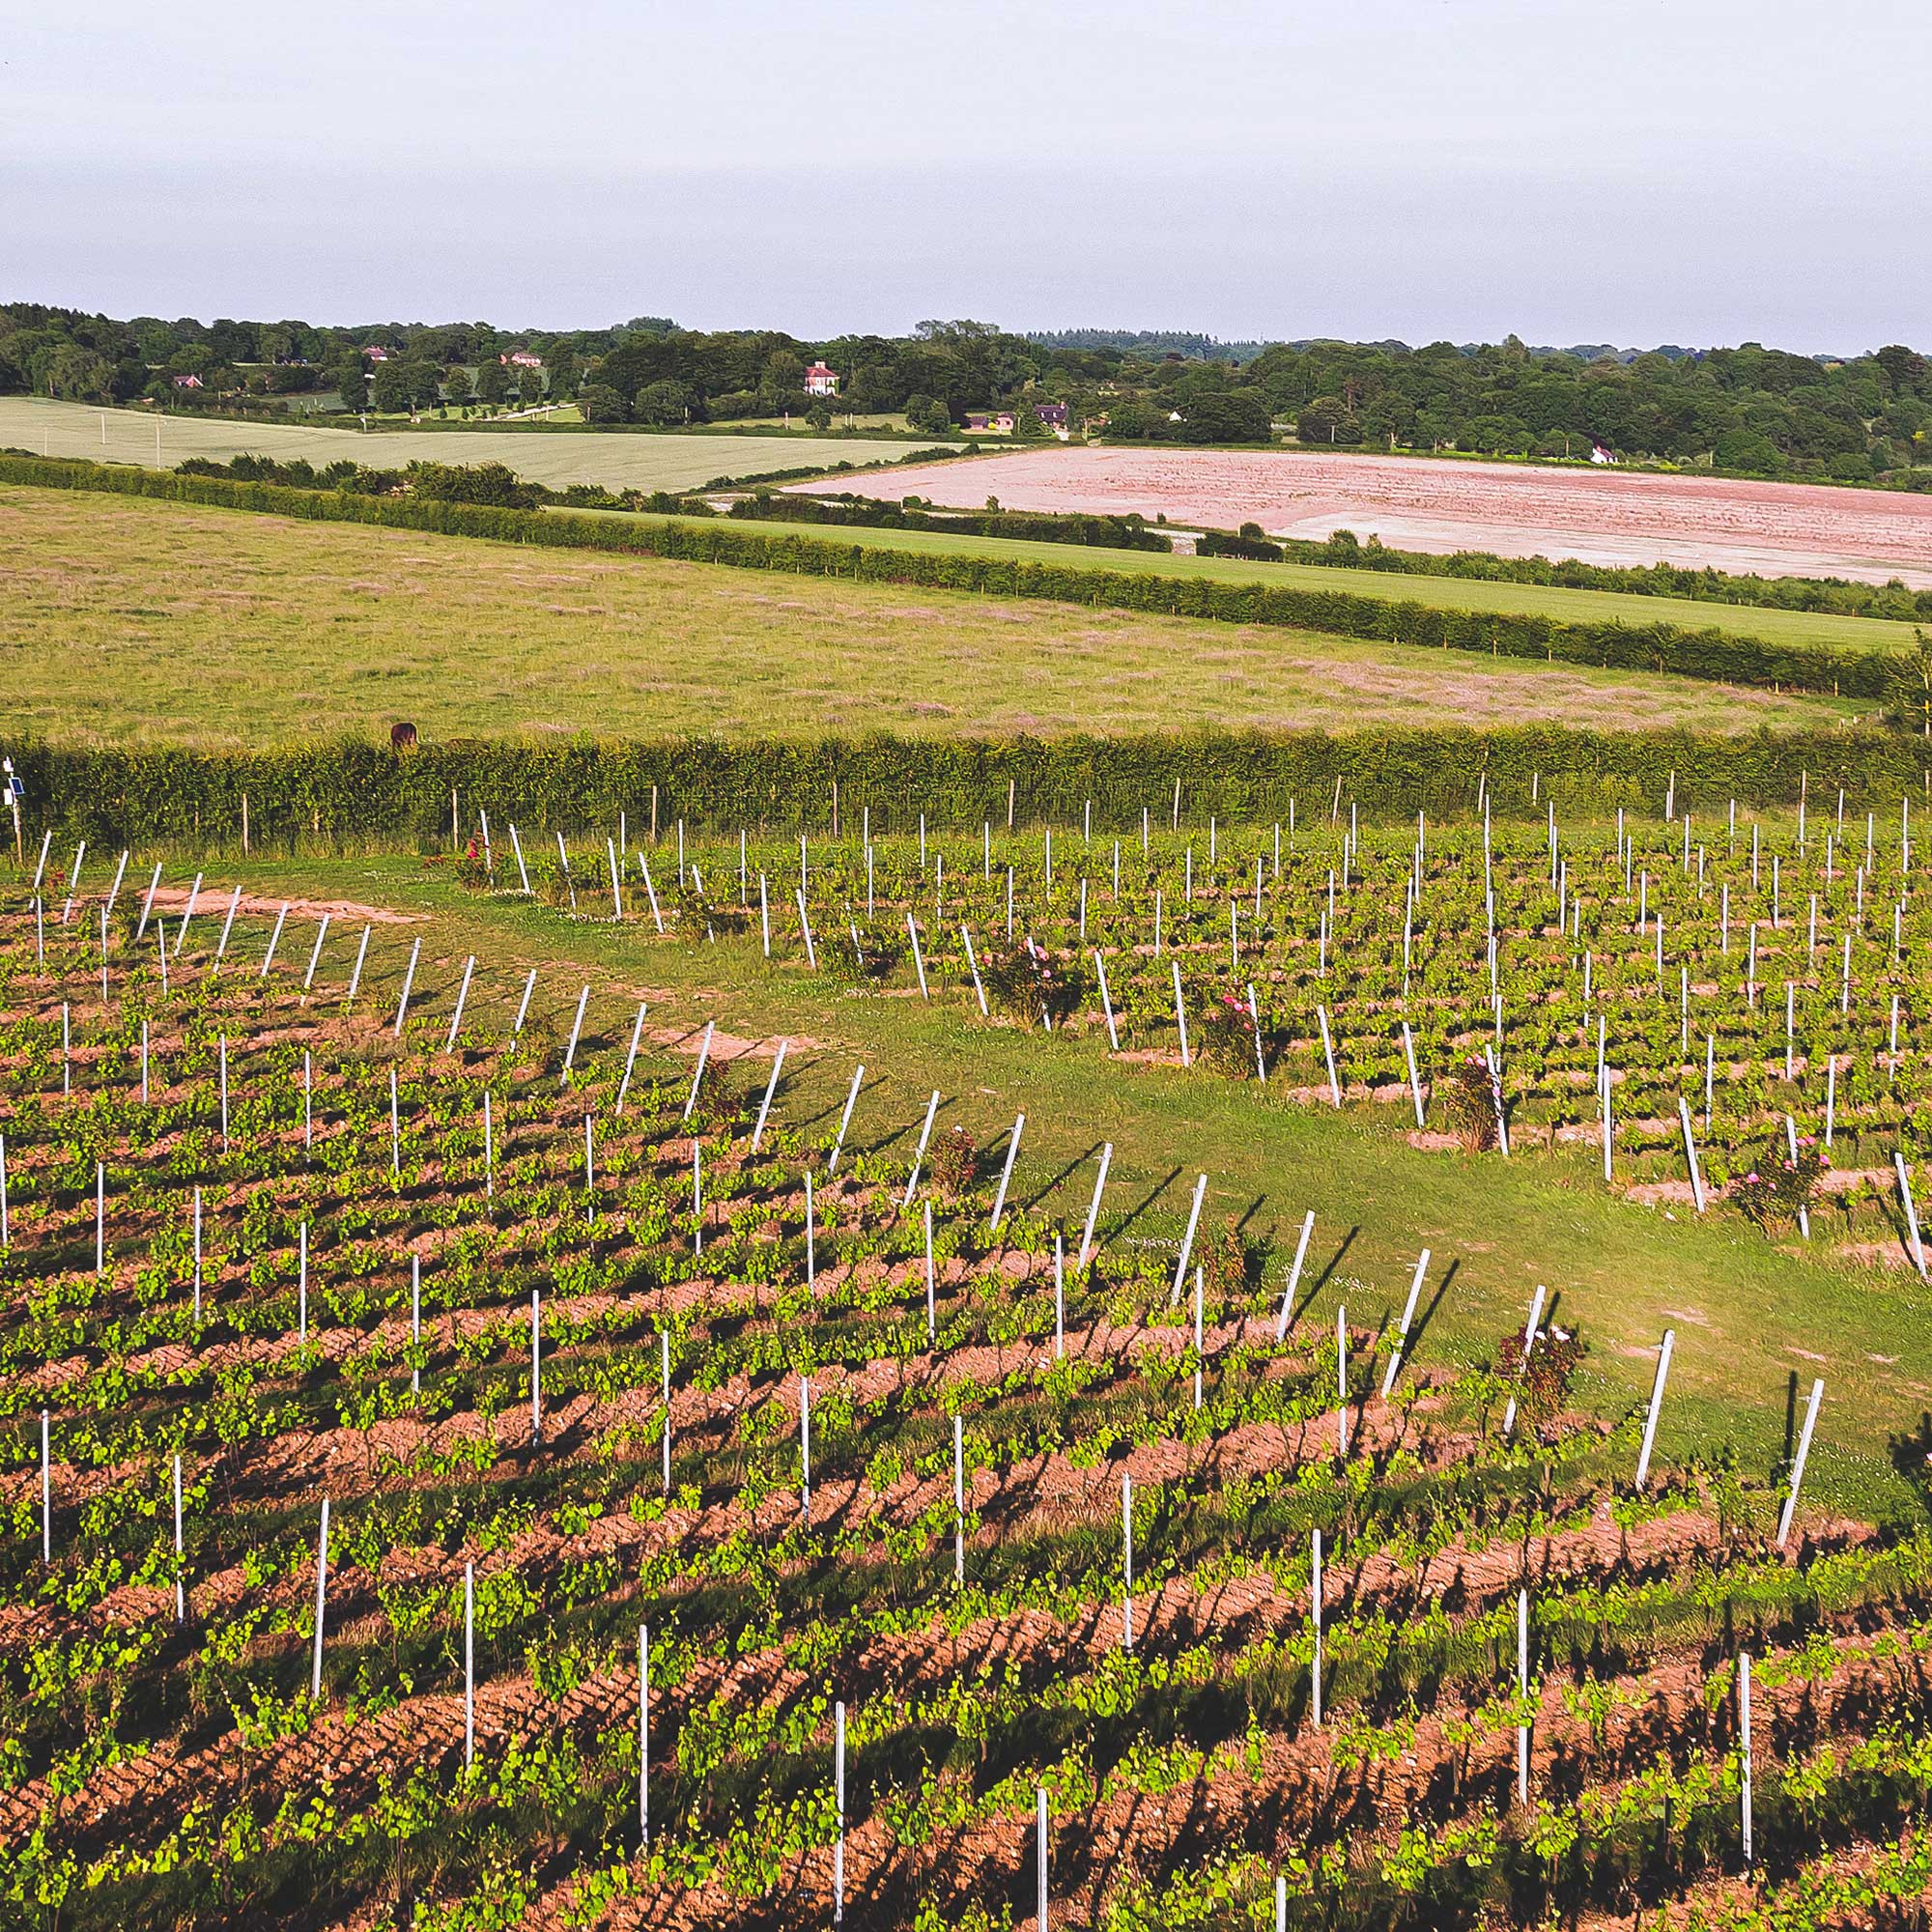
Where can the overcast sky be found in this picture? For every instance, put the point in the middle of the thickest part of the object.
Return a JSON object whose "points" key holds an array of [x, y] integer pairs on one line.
{"points": [[1630, 171]]}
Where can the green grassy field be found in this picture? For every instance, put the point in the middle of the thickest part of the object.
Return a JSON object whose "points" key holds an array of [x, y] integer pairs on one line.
{"points": [[619, 460], [1451, 593], [132, 621], [1747, 1312]]}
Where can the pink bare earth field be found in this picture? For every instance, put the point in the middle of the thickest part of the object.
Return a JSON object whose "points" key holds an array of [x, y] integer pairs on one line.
{"points": [[1599, 516]]}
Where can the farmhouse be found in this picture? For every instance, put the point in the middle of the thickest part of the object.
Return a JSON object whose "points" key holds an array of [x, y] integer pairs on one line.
{"points": [[521, 358], [376, 352], [822, 381], [999, 422], [188, 382]]}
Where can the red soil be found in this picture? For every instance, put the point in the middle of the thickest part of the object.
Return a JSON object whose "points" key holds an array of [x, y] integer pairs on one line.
{"points": [[1437, 505]]}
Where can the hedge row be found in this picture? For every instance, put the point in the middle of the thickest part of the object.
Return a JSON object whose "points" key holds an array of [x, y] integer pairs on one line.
{"points": [[1710, 654], [354, 791]]}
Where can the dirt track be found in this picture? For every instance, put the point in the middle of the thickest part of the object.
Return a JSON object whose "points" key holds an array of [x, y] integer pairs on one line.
{"points": [[1599, 516]]}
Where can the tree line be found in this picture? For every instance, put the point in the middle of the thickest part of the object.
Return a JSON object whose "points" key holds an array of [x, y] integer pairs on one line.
{"points": [[1749, 409]]}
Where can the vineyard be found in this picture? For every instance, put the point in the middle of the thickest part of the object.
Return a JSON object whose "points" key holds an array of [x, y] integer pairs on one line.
{"points": [[475, 1456]]}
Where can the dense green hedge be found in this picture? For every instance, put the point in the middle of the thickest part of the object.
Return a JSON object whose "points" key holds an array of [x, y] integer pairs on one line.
{"points": [[361, 792], [1711, 654]]}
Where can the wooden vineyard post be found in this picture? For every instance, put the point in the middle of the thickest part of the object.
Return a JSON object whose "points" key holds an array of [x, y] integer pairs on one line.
{"points": [[1744, 1751], [919, 1152], [1106, 1000], [918, 957], [1187, 1240], [1528, 1343], [805, 1446], [1797, 1462], [958, 1502], [415, 1319], [1006, 1174], [468, 1665], [536, 1366], [1342, 1380], [697, 1078], [1914, 1244], [355, 978], [1691, 1155], [180, 1574], [663, 1372], [1314, 1619], [1523, 1692], [838, 1805], [46, 1496], [409, 979], [1414, 1081], [845, 1118], [1093, 1206], [462, 995], [973, 966], [1180, 1015], [1401, 1331], [1328, 1054], [1058, 1297], [771, 1090], [1281, 1320], [1040, 1828], [1656, 1406], [321, 1603], [1126, 1561], [630, 1057], [575, 1033], [274, 939]]}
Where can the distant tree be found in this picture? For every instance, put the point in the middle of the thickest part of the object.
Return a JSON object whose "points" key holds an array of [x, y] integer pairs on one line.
{"points": [[492, 381], [782, 382], [664, 404], [927, 415], [456, 383], [1327, 419], [1027, 425], [819, 415], [389, 389], [349, 380], [1906, 367], [472, 483], [1239, 416], [1908, 686], [602, 404]]}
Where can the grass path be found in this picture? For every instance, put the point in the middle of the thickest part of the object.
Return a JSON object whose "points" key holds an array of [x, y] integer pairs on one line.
{"points": [[1749, 1314], [156, 623]]}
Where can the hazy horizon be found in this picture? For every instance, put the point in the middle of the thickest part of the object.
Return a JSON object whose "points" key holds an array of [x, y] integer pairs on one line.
{"points": [[1699, 174]]}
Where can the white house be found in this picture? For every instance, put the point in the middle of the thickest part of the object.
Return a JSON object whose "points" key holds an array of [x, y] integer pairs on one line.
{"points": [[820, 381]]}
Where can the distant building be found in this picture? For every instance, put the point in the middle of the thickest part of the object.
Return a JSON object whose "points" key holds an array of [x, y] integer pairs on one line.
{"points": [[188, 382], [376, 352], [1051, 414], [521, 358], [1599, 454], [991, 422], [822, 381]]}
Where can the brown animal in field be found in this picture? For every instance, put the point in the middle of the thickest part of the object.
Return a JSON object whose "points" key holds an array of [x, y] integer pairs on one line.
{"points": [[402, 737]]}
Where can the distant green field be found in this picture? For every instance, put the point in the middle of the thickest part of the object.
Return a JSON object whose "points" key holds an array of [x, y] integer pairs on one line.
{"points": [[1452, 594], [617, 459], [130, 621]]}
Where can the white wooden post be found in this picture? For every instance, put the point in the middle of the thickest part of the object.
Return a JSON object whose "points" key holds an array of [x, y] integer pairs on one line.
{"points": [[651, 894], [1093, 1206], [919, 1152], [1528, 1343], [46, 1496], [1328, 1054], [1745, 1750], [1126, 1561], [845, 1118], [616, 883], [1916, 1247], [805, 1445], [643, 1734], [315, 956], [918, 957], [1401, 1331], [1181, 1016], [468, 1665], [181, 1580], [770, 1089], [321, 1603], [931, 1292], [1342, 1380], [1107, 1003], [409, 979], [1522, 1691], [1187, 1239], [1041, 1831], [958, 1502], [523, 1004], [696, 1078], [1415, 1082], [1006, 1173], [1656, 1405], [805, 925], [974, 965], [1315, 1618], [517, 846], [462, 995], [274, 938], [537, 1365], [1295, 1275], [630, 1057], [1798, 1465], [1791, 1141], [838, 1798], [148, 904], [1691, 1152], [575, 1030]]}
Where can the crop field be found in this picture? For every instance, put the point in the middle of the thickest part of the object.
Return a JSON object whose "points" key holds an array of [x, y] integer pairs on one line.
{"points": [[617, 459], [482, 1455], [1597, 516], [1448, 593], [156, 623]]}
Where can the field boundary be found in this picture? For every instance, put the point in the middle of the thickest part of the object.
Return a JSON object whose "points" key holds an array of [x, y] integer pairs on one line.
{"points": [[356, 789], [1711, 654]]}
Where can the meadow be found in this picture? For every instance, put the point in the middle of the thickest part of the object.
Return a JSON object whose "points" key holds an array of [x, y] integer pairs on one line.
{"points": [[617, 459], [130, 621]]}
